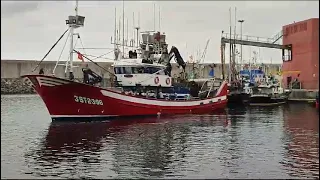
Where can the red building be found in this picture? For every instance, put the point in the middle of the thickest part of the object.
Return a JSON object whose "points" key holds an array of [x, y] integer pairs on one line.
{"points": [[304, 61]]}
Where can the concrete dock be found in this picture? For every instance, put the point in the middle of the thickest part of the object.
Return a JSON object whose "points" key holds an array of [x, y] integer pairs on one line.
{"points": [[11, 70]]}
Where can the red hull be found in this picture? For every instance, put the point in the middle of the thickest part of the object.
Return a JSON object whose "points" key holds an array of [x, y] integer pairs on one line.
{"points": [[69, 99]]}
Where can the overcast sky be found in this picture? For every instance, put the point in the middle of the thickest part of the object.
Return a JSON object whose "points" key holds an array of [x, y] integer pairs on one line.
{"points": [[29, 29]]}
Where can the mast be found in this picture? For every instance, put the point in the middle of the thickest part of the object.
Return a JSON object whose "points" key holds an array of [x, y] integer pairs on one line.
{"points": [[115, 28], [229, 74], [73, 22], [234, 67], [123, 29], [137, 28], [71, 41]]}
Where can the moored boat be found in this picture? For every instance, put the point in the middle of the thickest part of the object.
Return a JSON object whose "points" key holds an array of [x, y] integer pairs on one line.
{"points": [[268, 95], [70, 99], [143, 85]]}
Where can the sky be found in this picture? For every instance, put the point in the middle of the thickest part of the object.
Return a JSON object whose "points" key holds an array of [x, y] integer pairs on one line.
{"points": [[30, 28]]}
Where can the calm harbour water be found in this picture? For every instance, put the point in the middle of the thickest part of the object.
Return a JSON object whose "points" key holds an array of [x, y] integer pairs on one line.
{"points": [[273, 142]]}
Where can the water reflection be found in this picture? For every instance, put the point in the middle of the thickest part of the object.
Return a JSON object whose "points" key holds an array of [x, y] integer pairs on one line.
{"points": [[243, 142], [301, 141], [148, 147]]}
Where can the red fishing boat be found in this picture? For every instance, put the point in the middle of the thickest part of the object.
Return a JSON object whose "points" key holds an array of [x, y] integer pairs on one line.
{"points": [[143, 85], [70, 99]]}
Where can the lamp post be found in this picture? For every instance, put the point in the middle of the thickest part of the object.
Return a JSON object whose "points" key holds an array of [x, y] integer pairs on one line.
{"points": [[241, 21]]}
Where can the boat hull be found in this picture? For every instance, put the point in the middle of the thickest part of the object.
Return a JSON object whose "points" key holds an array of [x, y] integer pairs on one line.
{"points": [[238, 98], [266, 101], [66, 99]]}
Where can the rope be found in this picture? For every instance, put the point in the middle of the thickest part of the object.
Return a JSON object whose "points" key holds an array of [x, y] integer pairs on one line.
{"points": [[82, 44], [50, 50], [95, 63], [67, 62], [94, 48], [96, 57], [103, 55], [54, 69]]}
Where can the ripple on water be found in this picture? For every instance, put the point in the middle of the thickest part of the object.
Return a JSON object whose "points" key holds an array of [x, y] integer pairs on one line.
{"points": [[272, 142]]}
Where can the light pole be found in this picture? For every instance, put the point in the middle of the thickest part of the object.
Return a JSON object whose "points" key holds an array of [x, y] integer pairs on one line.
{"points": [[241, 21]]}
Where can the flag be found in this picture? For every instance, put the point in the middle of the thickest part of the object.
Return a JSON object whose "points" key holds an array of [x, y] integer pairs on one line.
{"points": [[157, 36], [80, 56]]}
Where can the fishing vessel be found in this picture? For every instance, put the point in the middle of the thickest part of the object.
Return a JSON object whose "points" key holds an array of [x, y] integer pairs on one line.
{"points": [[143, 84], [268, 95]]}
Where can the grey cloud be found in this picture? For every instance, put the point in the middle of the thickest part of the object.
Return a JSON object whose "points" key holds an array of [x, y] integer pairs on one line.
{"points": [[11, 8], [185, 22]]}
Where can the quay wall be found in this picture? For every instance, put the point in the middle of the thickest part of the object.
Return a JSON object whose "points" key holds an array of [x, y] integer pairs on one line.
{"points": [[11, 70], [303, 95]]}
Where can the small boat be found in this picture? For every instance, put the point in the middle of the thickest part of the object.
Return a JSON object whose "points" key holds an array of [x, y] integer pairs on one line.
{"points": [[143, 85], [239, 95], [240, 91], [268, 95]]}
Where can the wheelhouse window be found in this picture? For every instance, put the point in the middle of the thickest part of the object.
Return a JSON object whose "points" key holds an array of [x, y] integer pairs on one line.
{"points": [[118, 70], [151, 70], [138, 70], [127, 70]]}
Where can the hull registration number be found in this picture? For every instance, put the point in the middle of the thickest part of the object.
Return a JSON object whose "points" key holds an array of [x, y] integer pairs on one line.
{"points": [[87, 100]]}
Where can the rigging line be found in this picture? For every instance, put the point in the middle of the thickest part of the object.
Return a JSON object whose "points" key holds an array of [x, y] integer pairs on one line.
{"points": [[67, 62], [50, 50], [61, 53], [81, 44], [95, 63], [75, 44], [94, 48], [96, 57], [103, 55]]}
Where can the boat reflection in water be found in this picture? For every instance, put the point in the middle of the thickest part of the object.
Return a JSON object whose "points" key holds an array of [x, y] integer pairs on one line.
{"points": [[142, 147], [245, 142], [302, 148]]}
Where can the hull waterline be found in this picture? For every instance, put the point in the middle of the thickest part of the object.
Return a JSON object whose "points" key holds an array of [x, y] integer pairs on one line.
{"points": [[66, 99], [266, 101]]}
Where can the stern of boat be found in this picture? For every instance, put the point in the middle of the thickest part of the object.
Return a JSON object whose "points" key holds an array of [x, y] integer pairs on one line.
{"points": [[223, 89]]}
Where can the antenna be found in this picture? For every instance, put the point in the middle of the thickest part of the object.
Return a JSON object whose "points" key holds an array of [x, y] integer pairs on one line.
{"points": [[127, 32], [159, 20], [154, 16], [133, 35], [139, 19], [229, 78], [115, 27], [76, 9], [137, 28], [119, 34]]}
